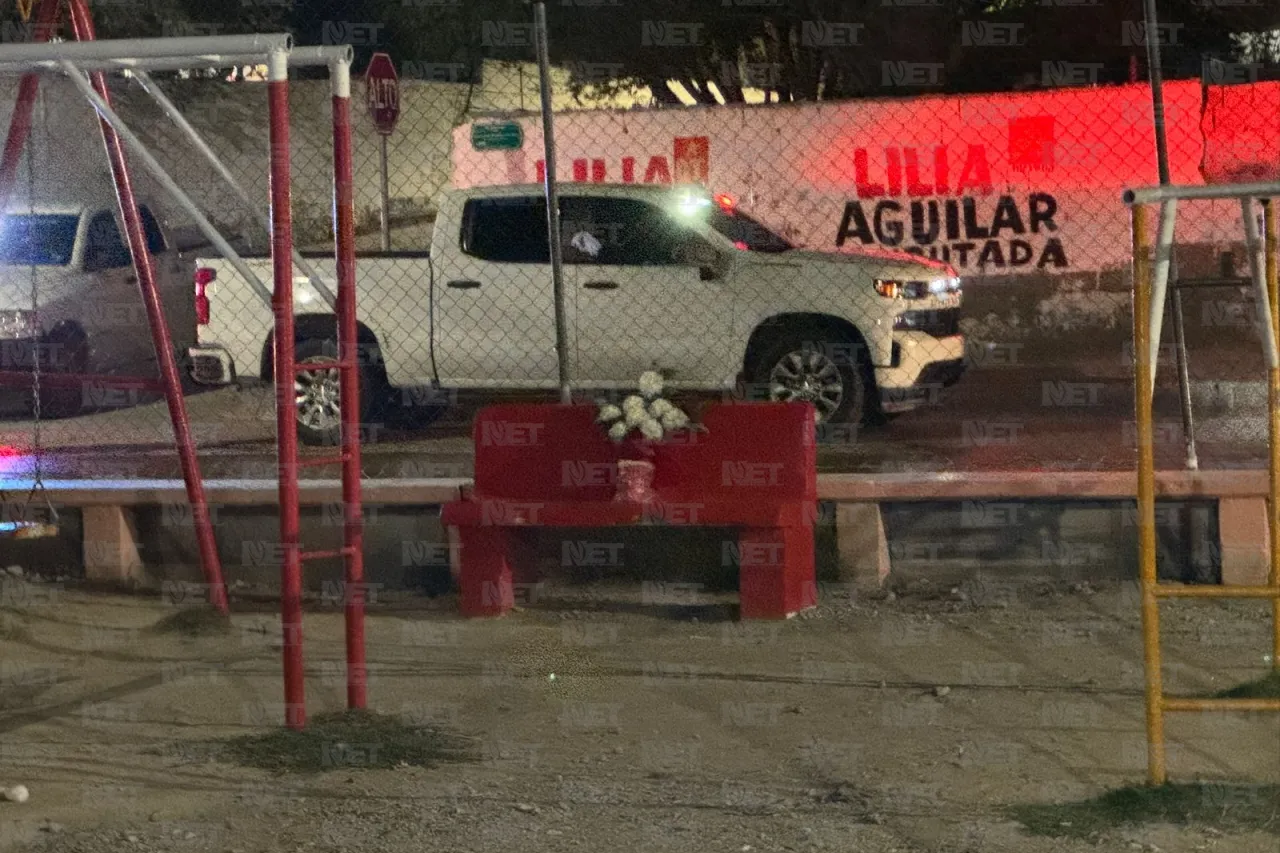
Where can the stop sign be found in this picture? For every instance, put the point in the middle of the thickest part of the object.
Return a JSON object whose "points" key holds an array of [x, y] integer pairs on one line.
{"points": [[382, 92]]}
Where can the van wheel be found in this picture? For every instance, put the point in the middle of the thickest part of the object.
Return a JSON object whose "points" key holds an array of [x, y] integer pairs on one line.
{"points": [[823, 368], [317, 393]]}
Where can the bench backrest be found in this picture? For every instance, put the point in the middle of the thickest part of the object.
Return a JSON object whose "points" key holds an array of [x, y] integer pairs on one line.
{"points": [[751, 451]]}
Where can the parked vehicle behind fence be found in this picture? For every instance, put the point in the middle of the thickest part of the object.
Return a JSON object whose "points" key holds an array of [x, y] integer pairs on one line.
{"points": [[663, 278], [69, 294]]}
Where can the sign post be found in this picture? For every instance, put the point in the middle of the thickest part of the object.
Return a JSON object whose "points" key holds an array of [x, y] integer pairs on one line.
{"points": [[382, 93]]}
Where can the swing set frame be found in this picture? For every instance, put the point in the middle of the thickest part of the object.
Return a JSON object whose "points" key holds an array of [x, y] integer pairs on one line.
{"points": [[84, 61]]}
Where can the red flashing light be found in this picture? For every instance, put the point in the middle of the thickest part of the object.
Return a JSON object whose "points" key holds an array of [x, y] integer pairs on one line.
{"points": [[204, 276], [727, 202]]}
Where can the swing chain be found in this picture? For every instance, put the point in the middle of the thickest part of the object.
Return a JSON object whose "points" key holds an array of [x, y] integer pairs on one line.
{"points": [[37, 449]]}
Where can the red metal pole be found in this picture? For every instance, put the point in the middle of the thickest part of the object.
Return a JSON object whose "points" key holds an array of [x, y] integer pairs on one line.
{"points": [[82, 23], [46, 21], [295, 715], [349, 400]]}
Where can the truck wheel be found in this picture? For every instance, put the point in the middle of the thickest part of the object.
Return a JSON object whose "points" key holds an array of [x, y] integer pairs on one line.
{"points": [[319, 416], [819, 368]]}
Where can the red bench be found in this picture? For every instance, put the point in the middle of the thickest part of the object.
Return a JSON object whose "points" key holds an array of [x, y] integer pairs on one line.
{"points": [[552, 466]]}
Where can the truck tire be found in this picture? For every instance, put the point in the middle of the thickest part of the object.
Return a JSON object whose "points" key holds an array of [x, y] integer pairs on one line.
{"points": [[823, 367], [318, 415]]}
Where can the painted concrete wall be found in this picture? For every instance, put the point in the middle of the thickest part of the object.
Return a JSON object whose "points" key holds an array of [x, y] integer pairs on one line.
{"points": [[1055, 317]]}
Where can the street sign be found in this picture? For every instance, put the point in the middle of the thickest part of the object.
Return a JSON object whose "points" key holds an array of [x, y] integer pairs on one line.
{"points": [[382, 92], [500, 136]]}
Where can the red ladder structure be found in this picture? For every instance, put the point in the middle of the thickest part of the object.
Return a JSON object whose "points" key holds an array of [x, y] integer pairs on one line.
{"points": [[285, 371]]}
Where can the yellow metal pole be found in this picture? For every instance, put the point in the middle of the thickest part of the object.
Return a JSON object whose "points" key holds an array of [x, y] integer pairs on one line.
{"points": [[1147, 497], [1169, 590], [1270, 243], [1222, 704]]}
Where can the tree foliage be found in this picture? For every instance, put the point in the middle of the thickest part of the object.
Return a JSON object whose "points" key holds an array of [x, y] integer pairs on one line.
{"points": [[802, 50]]}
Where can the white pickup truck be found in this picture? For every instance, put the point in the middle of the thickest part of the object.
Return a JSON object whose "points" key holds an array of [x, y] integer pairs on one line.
{"points": [[663, 278], [87, 315]]}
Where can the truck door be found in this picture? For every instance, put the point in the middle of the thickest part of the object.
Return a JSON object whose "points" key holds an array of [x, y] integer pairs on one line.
{"points": [[640, 304], [495, 311], [113, 315], [177, 289]]}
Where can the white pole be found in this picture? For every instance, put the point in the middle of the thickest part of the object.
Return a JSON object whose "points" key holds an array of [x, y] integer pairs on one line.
{"points": [[153, 166], [164, 63], [1164, 258], [384, 192], [1155, 195], [328, 55], [299, 57], [1253, 244], [171, 110], [147, 48]]}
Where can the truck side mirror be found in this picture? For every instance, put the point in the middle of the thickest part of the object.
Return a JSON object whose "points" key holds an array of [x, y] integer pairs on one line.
{"points": [[697, 253]]}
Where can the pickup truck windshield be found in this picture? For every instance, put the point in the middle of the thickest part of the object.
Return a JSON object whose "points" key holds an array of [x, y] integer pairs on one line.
{"points": [[39, 240], [745, 232]]}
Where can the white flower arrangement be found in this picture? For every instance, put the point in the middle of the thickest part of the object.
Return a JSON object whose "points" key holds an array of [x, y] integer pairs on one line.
{"points": [[647, 413]]}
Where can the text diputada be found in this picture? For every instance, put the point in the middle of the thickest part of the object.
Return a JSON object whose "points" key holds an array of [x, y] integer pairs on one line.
{"points": [[958, 223]]}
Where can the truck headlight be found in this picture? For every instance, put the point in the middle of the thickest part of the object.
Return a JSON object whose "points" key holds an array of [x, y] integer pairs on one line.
{"points": [[891, 288]]}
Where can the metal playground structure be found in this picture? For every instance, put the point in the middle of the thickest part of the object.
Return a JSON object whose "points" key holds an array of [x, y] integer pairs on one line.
{"points": [[86, 63], [1151, 292]]}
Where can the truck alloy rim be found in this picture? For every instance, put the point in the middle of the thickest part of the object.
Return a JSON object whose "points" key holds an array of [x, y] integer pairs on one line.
{"points": [[808, 376], [316, 396]]}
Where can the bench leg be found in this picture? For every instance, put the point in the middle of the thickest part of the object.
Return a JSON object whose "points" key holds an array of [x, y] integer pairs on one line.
{"points": [[862, 545], [485, 582], [776, 572], [111, 546], [1242, 529]]}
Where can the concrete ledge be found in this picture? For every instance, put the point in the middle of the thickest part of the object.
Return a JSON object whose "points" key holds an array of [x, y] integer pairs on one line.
{"points": [[111, 551], [1241, 495], [1105, 485], [85, 493], [911, 486]]}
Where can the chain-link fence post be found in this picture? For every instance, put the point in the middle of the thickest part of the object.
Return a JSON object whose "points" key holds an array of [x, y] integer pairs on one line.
{"points": [[553, 201]]}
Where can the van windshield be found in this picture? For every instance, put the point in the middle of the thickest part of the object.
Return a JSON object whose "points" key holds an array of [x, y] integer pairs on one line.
{"points": [[38, 240]]}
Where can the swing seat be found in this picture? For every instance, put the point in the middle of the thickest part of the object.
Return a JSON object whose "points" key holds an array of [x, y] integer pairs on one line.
{"points": [[33, 531]]}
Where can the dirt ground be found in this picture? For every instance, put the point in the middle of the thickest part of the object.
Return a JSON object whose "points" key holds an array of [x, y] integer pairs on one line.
{"points": [[903, 724]]}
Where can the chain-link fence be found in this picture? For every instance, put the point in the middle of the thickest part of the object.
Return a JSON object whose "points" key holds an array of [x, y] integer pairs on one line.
{"points": [[748, 238]]}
